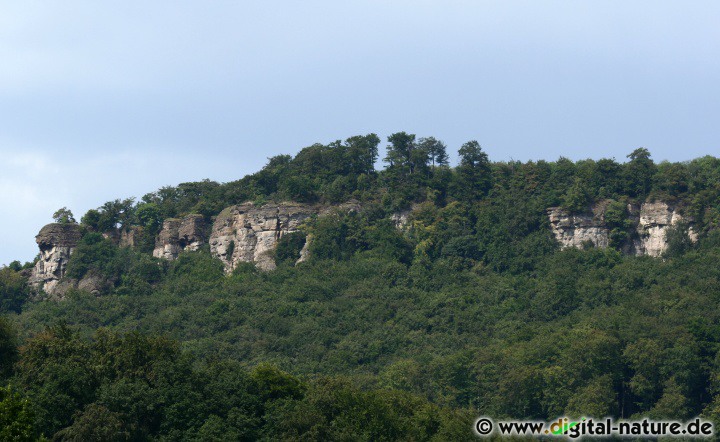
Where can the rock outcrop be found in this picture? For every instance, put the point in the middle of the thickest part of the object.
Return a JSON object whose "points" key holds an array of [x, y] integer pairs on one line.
{"points": [[579, 230], [93, 283], [188, 233], [305, 251], [246, 233], [655, 219], [130, 237], [401, 219], [651, 222], [56, 243]]}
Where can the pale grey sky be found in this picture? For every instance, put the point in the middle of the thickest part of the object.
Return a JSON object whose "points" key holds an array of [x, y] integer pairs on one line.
{"points": [[105, 100]]}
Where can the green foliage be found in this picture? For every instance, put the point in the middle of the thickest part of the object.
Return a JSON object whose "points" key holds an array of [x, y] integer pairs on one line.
{"points": [[331, 238], [436, 151], [385, 333], [137, 387], [403, 153], [274, 384], [91, 219], [334, 409], [474, 176], [340, 236], [16, 416], [13, 289], [63, 216], [576, 333], [597, 398], [639, 172], [678, 240], [93, 253], [577, 198], [230, 249], [620, 225], [288, 248], [8, 348], [112, 214], [672, 180], [96, 423], [149, 217], [416, 172]]}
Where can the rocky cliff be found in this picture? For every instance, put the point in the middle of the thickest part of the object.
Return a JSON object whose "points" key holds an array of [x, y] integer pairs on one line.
{"points": [[241, 233], [188, 233], [130, 237], [655, 219], [579, 230], [246, 233], [651, 222], [56, 243]]}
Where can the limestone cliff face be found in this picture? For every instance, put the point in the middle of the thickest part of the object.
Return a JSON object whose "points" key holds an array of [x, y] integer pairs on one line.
{"points": [[573, 230], [651, 219], [401, 219], [655, 219], [130, 237], [188, 233], [56, 242], [246, 233], [305, 251]]}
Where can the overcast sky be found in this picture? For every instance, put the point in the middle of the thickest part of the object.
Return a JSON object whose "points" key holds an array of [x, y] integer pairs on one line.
{"points": [[106, 100]]}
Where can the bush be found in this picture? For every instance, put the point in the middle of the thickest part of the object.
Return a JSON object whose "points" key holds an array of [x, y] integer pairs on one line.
{"points": [[289, 247]]}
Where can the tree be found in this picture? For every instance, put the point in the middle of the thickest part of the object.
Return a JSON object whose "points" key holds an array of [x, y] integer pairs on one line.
{"points": [[673, 404], [55, 371], [644, 357], [620, 225], [95, 423], [577, 198], [8, 348], [64, 216], [436, 151], [13, 290], [117, 212], [362, 152], [110, 215], [608, 175], [298, 188], [289, 247], [596, 399], [91, 219], [474, 172], [404, 154], [148, 215], [16, 416], [672, 179], [639, 173], [273, 383], [678, 240]]}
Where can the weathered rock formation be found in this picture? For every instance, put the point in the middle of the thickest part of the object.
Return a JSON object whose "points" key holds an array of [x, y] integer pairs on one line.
{"points": [[56, 242], [401, 219], [124, 236], [305, 251], [579, 230], [188, 233], [651, 220], [241, 233], [93, 283], [130, 237], [246, 233], [655, 219]]}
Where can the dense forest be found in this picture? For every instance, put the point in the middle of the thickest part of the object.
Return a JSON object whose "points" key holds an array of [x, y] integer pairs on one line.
{"points": [[385, 333]]}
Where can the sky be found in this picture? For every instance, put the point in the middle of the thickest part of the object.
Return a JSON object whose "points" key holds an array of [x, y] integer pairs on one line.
{"points": [[106, 100]]}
